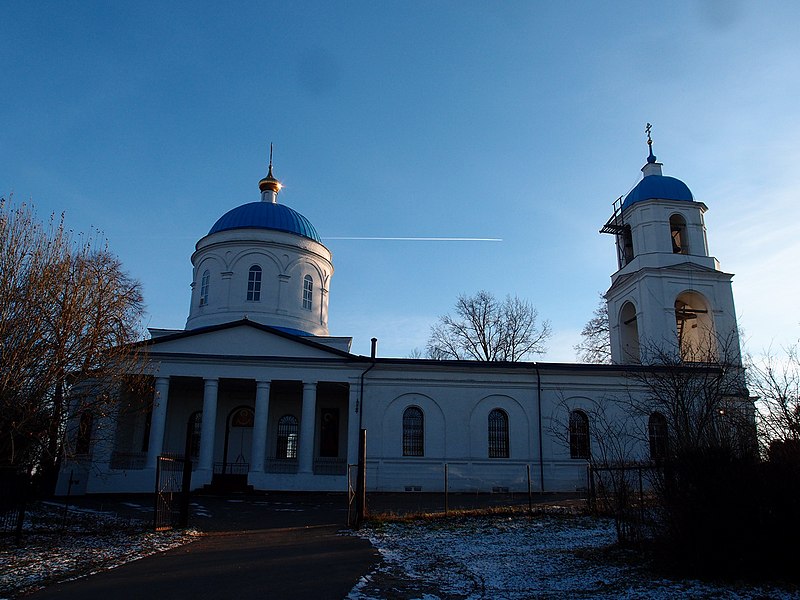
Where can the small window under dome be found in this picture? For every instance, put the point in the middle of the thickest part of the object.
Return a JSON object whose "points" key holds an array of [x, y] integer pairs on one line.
{"points": [[204, 288], [308, 292], [254, 284]]}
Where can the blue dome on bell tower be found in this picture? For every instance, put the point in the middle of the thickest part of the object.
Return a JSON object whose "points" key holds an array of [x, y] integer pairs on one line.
{"points": [[659, 187], [654, 185]]}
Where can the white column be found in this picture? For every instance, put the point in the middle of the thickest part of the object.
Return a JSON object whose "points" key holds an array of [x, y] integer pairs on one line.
{"points": [[260, 427], [307, 423], [208, 425], [158, 421], [352, 426]]}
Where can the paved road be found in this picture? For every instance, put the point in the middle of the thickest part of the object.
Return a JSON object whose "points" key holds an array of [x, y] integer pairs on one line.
{"points": [[255, 547]]}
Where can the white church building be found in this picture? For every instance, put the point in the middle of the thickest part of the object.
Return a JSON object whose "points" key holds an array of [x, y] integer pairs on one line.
{"points": [[256, 390]]}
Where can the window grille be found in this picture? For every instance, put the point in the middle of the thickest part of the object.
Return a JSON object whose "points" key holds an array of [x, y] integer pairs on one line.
{"points": [[254, 284], [287, 437], [658, 435], [308, 291], [579, 435], [498, 434], [413, 432]]}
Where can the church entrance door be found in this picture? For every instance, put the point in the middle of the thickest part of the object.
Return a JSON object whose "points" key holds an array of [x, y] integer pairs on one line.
{"points": [[238, 441]]}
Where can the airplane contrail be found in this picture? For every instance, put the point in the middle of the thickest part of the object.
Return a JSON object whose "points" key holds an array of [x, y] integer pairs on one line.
{"points": [[416, 239]]}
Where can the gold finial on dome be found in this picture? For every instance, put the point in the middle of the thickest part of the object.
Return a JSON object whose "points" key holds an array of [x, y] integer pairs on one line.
{"points": [[269, 185]]}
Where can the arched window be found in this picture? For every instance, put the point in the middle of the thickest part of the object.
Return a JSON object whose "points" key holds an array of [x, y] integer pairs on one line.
{"points": [[629, 333], [658, 435], [204, 288], [498, 434], [84, 440], [287, 437], [677, 228], [308, 290], [413, 432], [254, 284], [625, 246], [579, 435], [193, 427]]}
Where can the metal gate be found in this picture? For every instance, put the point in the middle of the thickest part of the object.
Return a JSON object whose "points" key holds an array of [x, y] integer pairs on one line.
{"points": [[173, 481]]}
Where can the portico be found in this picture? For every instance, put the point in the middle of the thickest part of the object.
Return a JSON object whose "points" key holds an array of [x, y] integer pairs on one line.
{"points": [[278, 434]]}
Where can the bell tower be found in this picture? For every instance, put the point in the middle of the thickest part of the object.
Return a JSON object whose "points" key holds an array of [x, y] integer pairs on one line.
{"points": [[668, 294]]}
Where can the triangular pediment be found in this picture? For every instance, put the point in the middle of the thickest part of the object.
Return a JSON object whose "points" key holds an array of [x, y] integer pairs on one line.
{"points": [[241, 338], [692, 266]]}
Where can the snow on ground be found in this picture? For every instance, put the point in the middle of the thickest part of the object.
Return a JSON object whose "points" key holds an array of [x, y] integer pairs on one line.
{"points": [[61, 545], [493, 558], [502, 558]]}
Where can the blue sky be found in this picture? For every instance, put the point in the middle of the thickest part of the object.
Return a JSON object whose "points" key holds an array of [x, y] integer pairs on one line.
{"points": [[516, 120]]}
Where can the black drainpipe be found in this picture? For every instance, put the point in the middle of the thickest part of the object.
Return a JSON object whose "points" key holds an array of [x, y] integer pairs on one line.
{"points": [[361, 384], [539, 413]]}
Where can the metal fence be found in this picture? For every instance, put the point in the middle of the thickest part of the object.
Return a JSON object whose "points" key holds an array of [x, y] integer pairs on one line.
{"points": [[515, 489], [15, 486], [625, 492]]}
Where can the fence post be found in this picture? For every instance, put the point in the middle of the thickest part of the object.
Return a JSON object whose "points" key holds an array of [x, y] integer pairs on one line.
{"points": [[446, 501], [156, 494], [530, 497], [641, 497], [183, 519], [66, 500]]}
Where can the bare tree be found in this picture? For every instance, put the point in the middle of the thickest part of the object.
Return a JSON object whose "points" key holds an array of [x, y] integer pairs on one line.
{"points": [[69, 316], [775, 380], [698, 422], [484, 328], [704, 400], [683, 421], [613, 445], [595, 345]]}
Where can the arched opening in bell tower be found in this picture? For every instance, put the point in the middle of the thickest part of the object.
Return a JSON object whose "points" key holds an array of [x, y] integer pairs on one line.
{"points": [[625, 246], [695, 328], [677, 228], [629, 334]]}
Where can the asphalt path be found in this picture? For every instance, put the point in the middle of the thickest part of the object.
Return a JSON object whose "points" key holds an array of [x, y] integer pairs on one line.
{"points": [[265, 547]]}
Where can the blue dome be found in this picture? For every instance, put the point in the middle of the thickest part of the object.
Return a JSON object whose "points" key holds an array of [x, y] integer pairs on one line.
{"points": [[658, 186], [266, 215]]}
